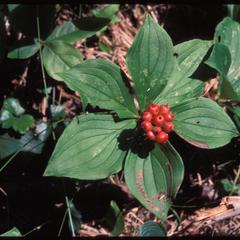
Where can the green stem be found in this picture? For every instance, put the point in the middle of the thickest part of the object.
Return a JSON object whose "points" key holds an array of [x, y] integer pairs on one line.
{"points": [[35, 229], [61, 227], [13, 156], [65, 214], [41, 59], [235, 180], [70, 217], [176, 215], [195, 206]]}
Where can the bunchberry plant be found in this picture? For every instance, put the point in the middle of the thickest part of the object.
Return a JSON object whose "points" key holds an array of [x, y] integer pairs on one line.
{"points": [[95, 146]]}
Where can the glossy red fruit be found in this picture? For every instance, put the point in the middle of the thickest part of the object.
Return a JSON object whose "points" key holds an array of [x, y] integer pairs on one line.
{"points": [[157, 130], [168, 126], [146, 125], [162, 137], [150, 135], [153, 108], [163, 109], [168, 117], [159, 120], [147, 116]]}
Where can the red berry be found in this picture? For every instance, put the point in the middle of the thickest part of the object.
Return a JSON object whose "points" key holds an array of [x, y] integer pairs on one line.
{"points": [[168, 126], [163, 109], [146, 125], [157, 130], [147, 116], [153, 108], [150, 135], [162, 137], [159, 120], [168, 117]]}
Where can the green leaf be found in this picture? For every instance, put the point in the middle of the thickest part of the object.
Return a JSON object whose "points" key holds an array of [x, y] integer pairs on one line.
{"points": [[203, 123], [24, 49], [230, 187], [6, 119], [20, 124], [220, 58], [59, 56], [150, 61], [11, 7], [27, 143], [106, 12], [14, 232], [190, 54], [13, 106], [57, 112], [90, 25], [237, 110], [102, 84], [11, 116], [24, 19], [227, 90], [180, 89], [115, 19], [78, 29], [114, 219], [60, 32], [42, 131], [23, 123], [89, 148], [104, 47], [152, 229], [76, 217], [228, 33], [42, 90], [154, 178]]}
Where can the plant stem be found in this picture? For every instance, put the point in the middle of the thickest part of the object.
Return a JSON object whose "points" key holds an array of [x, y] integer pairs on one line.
{"points": [[70, 217], [65, 214], [12, 157], [64, 217], [35, 229], [176, 215], [41, 59], [195, 206], [235, 180]]}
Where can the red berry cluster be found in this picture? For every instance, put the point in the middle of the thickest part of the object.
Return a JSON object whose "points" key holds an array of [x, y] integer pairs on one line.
{"points": [[157, 122]]}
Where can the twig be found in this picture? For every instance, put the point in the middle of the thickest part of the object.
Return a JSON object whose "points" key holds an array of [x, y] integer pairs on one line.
{"points": [[41, 59]]}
